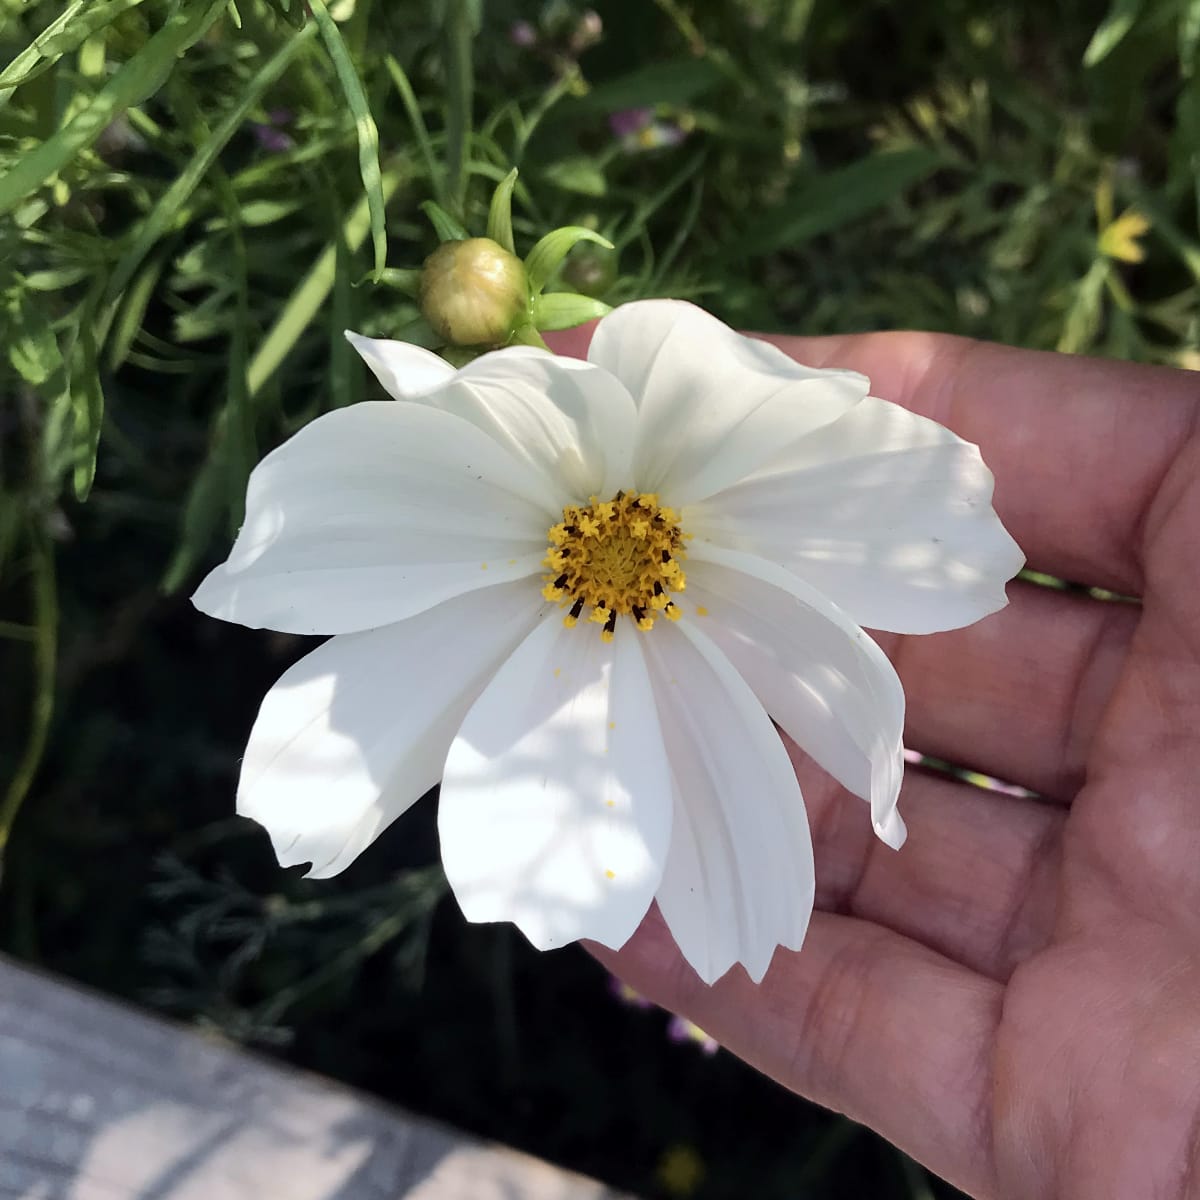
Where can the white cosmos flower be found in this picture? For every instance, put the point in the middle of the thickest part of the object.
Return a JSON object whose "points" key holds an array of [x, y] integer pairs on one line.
{"points": [[720, 519]]}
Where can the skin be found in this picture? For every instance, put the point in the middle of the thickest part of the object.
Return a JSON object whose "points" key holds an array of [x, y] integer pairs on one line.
{"points": [[1014, 998]]}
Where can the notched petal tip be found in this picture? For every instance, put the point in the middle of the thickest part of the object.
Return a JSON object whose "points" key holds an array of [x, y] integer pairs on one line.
{"points": [[891, 830]]}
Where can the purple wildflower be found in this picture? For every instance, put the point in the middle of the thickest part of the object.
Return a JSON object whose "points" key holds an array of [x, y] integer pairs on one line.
{"points": [[630, 121], [626, 994], [680, 1029], [523, 34], [270, 135]]}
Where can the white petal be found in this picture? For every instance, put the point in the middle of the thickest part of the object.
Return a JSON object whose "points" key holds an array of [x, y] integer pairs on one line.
{"points": [[885, 512], [713, 405], [822, 679], [570, 423], [739, 878], [406, 371], [555, 810], [358, 730], [373, 513]]}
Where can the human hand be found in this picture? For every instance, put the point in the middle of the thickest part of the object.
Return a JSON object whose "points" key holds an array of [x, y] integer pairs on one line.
{"points": [[1014, 998]]}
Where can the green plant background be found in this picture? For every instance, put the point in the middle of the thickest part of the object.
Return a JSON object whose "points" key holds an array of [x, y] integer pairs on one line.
{"points": [[194, 197]]}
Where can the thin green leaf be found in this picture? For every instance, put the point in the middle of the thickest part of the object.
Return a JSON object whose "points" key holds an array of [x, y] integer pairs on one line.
{"points": [[1109, 33], [364, 125], [135, 81], [544, 258], [87, 399], [163, 215], [499, 226], [72, 28], [400, 280], [565, 310], [582, 175], [836, 198], [56, 279], [32, 347], [132, 310], [444, 225], [201, 513]]}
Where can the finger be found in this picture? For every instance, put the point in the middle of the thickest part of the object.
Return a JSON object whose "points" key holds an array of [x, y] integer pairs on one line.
{"points": [[1020, 695], [976, 879], [572, 342], [861, 1020], [1078, 446]]}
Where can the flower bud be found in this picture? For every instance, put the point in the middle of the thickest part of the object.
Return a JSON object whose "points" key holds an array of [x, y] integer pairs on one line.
{"points": [[473, 292]]}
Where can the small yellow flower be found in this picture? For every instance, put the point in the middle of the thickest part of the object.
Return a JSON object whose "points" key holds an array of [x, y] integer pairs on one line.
{"points": [[1119, 239], [680, 1170]]}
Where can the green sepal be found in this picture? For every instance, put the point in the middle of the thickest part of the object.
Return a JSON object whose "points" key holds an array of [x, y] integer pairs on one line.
{"points": [[527, 335], [499, 226], [565, 310], [444, 225], [459, 356], [418, 332], [543, 260]]}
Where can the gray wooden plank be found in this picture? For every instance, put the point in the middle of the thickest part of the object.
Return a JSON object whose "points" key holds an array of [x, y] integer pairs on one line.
{"points": [[101, 1102]]}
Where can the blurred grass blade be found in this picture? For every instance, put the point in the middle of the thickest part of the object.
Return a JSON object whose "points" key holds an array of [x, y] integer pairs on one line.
{"points": [[87, 399], [32, 347], [433, 164], [1110, 32], [132, 311], [565, 310], [344, 379], [364, 125], [459, 32], [163, 214], [544, 258], [207, 497], [499, 226], [135, 81], [1083, 318], [310, 293], [838, 197], [1189, 37], [71, 29], [444, 225]]}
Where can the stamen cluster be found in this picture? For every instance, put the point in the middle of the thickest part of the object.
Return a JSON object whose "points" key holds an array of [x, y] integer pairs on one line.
{"points": [[618, 557]]}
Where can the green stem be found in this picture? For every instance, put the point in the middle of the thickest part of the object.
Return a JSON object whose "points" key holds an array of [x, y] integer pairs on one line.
{"points": [[459, 99], [45, 652]]}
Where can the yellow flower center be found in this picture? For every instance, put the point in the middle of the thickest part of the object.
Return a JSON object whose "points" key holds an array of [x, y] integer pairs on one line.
{"points": [[618, 557]]}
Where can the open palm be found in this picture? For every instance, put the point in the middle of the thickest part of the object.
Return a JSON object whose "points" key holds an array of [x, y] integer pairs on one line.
{"points": [[1014, 998]]}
